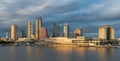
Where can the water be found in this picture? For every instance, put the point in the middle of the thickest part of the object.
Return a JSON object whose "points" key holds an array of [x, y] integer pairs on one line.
{"points": [[28, 53]]}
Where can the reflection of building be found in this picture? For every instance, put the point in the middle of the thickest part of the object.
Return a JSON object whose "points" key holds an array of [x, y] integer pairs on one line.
{"points": [[38, 27], [66, 30], [14, 32], [106, 32], [30, 30], [55, 30], [78, 32], [43, 32]]}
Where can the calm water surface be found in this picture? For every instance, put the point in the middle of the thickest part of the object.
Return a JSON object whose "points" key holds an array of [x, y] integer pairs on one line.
{"points": [[35, 53]]}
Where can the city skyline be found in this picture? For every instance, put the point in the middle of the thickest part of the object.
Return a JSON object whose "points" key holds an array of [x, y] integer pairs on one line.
{"points": [[104, 31], [59, 30], [32, 26], [88, 15]]}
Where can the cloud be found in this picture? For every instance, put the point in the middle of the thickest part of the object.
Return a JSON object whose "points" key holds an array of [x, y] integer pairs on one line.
{"points": [[9, 1], [108, 10], [85, 14], [32, 9]]}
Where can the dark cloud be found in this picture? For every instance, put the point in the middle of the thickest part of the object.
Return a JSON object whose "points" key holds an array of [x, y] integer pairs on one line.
{"points": [[85, 14]]}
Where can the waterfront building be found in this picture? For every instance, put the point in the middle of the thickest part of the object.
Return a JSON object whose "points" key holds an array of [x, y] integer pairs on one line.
{"points": [[43, 32], [30, 30], [38, 27], [14, 32], [22, 40], [78, 32], [66, 30], [61, 40], [83, 38], [106, 32], [79, 41]]}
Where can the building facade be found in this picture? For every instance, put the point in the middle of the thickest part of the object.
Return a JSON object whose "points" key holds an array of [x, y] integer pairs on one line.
{"points": [[14, 32], [106, 32], [78, 32], [44, 33], [30, 30], [66, 30], [55, 30], [38, 27]]}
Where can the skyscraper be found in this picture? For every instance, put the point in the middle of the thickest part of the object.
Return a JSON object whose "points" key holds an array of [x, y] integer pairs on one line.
{"points": [[7, 35], [38, 27], [14, 32], [106, 32], [55, 30], [43, 32], [23, 33], [78, 32], [66, 30], [30, 29]]}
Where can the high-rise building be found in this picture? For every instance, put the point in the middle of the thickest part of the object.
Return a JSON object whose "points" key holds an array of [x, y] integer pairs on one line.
{"points": [[38, 27], [30, 29], [78, 32], [23, 34], [7, 37], [66, 30], [106, 32], [14, 32], [55, 30], [43, 32]]}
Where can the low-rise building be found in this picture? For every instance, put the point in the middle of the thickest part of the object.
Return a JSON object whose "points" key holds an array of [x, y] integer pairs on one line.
{"points": [[79, 41], [22, 39]]}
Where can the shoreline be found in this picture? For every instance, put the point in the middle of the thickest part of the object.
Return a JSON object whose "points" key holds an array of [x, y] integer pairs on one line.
{"points": [[52, 46]]}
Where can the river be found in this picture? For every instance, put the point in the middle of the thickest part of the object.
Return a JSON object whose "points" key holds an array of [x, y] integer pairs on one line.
{"points": [[35, 53]]}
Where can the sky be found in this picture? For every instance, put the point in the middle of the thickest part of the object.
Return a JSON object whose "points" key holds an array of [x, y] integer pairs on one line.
{"points": [[86, 14]]}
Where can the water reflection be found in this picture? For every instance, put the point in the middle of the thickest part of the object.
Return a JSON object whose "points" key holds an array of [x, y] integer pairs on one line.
{"points": [[106, 54], [34, 53], [80, 52], [29, 54], [85, 54], [13, 53], [63, 53], [29, 50], [102, 54]]}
